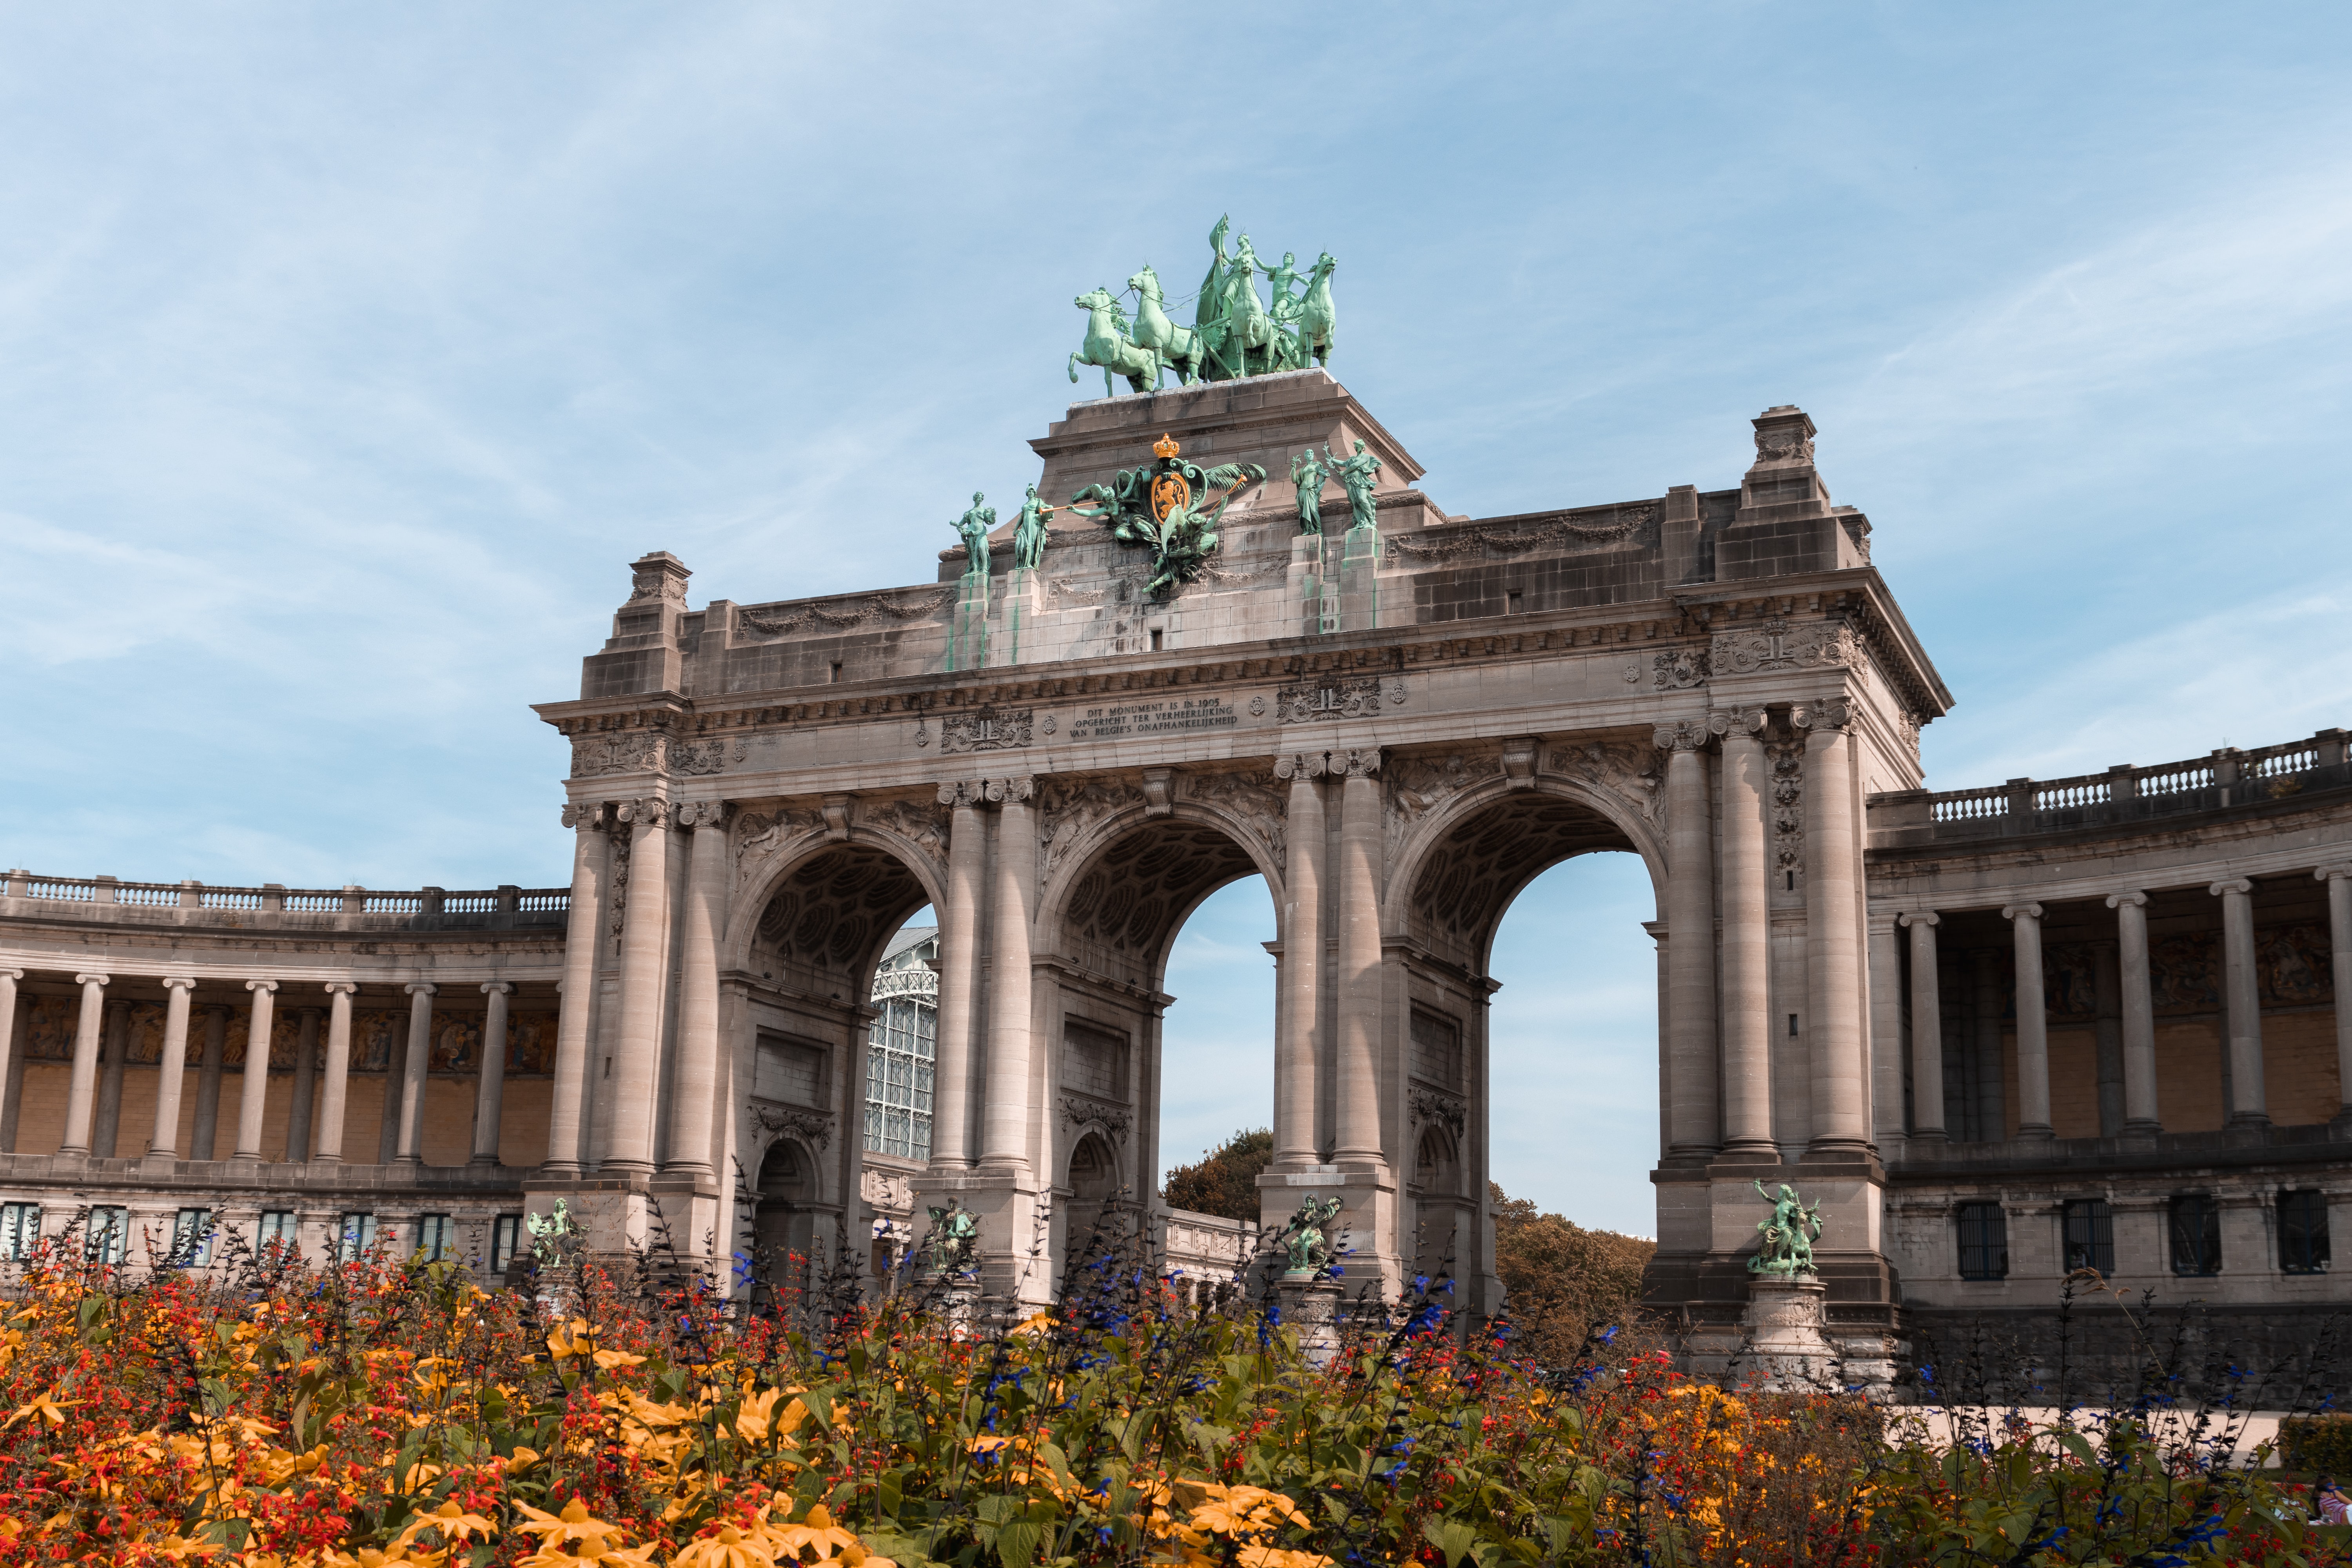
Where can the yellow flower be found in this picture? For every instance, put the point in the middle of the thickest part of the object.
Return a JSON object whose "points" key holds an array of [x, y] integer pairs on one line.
{"points": [[47, 1407], [730, 1548], [453, 1523]]}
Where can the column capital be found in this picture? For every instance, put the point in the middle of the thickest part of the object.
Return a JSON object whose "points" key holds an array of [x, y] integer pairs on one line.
{"points": [[1013, 789], [421, 987], [2329, 873], [261, 985], [648, 811], [963, 792], [706, 813], [2230, 885], [347, 987], [20, 975], [179, 982], [1737, 720], [498, 987], [1356, 765], [93, 979], [1682, 735], [1825, 714], [1920, 917], [2131, 896], [2011, 912], [1300, 765], [588, 816]]}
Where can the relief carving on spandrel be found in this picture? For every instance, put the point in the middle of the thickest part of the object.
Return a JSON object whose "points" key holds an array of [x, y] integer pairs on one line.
{"points": [[1625, 769], [1251, 795], [1069, 810], [918, 821], [1419, 785], [759, 834]]}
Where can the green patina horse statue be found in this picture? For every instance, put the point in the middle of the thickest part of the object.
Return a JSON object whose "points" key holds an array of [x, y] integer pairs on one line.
{"points": [[1177, 346], [1107, 344], [1317, 317]]}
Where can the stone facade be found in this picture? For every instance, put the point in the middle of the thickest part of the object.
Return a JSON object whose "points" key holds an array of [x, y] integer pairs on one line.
{"points": [[1398, 725]]}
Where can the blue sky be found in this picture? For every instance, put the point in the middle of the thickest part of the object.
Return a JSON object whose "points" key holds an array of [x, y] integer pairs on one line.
{"points": [[346, 354]]}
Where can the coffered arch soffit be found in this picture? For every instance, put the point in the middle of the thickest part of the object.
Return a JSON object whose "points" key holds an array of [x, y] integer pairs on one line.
{"points": [[825, 909], [1470, 857], [1127, 886]]}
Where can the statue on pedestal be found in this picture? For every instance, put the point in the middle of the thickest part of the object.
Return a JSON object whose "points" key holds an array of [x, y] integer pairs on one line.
{"points": [[1029, 532], [955, 1235], [1310, 1248], [1788, 1235], [975, 525], [1357, 474], [1308, 473]]}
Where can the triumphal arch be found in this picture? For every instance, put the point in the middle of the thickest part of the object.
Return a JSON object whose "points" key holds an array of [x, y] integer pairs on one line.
{"points": [[1397, 716], [1998, 1034]]}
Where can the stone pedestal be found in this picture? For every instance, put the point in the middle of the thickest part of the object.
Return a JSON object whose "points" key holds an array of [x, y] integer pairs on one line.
{"points": [[1786, 1350], [1311, 589], [1310, 1307], [968, 627], [1016, 612], [1358, 575]]}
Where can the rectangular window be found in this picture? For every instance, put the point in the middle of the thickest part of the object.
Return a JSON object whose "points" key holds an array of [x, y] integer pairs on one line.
{"points": [[278, 1228], [192, 1238], [355, 1236], [2303, 1232], [20, 1227], [107, 1238], [901, 1055], [2090, 1236], [1984, 1242], [1094, 1062], [437, 1237], [1436, 1049], [2196, 1235], [506, 1239]]}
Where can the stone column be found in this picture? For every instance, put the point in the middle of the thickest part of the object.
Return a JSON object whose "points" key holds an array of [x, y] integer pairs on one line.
{"points": [[1359, 1063], [1833, 957], [339, 1073], [1693, 1113], [12, 1046], [163, 1142], [1747, 932], [106, 1125], [409, 1140], [2338, 879], [2109, 1033], [644, 963], [306, 1083], [490, 1092], [204, 1136], [81, 1091], [1004, 1118], [694, 1089], [582, 947], [959, 979], [2241, 987], [1297, 1144], [2139, 1014], [2033, 1023], [1927, 1032], [254, 1089]]}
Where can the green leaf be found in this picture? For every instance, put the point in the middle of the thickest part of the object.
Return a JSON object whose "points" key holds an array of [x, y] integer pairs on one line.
{"points": [[1017, 1544], [887, 1494]]}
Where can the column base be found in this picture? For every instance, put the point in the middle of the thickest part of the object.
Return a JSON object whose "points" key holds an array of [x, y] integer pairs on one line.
{"points": [[485, 1161], [2036, 1133], [159, 1163]]}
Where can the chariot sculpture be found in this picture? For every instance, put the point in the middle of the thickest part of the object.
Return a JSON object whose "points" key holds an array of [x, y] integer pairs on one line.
{"points": [[1235, 333]]}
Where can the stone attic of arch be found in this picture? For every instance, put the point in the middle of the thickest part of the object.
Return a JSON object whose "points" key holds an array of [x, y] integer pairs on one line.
{"points": [[1997, 1033]]}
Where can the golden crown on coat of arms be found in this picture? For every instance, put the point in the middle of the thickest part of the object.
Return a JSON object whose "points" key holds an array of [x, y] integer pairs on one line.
{"points": [[1165, 446]]}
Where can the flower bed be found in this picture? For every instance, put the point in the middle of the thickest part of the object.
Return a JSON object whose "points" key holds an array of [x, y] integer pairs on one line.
{"points": [[372, 1412]]}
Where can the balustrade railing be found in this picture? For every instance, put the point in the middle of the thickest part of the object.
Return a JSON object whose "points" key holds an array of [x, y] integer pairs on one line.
{"points": [[2225, 770], [510, 899]]}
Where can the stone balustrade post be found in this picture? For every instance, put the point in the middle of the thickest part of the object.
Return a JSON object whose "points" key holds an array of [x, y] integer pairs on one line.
{"points": [[1747, 938], [1004, 1118], [1298, 1142], [81, 1089], [489, 1090], [164, 1142], [1359, 1064], [1926, 1031], [2338, 877], [332, 1093], [2241, 995], [960, 932], [409, 1138], [2140, 1118], [694, 1090], [2032, 1024], [254, 1089], [644, 976], [1693, 1110], [202, 1139], [584, 944]]}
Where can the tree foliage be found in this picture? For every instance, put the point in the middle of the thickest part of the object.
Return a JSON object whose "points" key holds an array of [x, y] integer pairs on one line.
{"points": [[1224, 1182], [1560, 1279]]}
